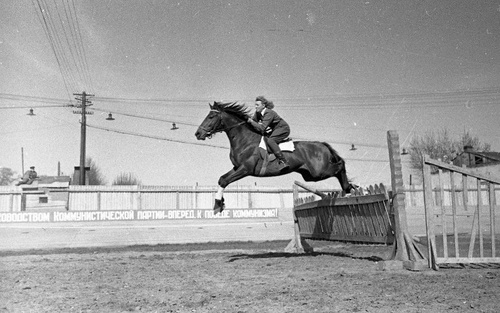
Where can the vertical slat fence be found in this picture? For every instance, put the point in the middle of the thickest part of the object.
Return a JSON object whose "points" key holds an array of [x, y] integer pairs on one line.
{"points": [[362, 217], [473, 234]]}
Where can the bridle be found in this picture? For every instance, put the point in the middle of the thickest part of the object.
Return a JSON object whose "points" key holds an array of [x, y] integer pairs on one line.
{"points": [[210, 133]]}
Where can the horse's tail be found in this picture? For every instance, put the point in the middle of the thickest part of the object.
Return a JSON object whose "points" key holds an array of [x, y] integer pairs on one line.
{"points": [[339, 166], [336, 158]]}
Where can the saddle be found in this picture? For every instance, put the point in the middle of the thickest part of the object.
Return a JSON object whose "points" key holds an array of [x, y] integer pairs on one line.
{"points": [[268, 157], [285, 145]]}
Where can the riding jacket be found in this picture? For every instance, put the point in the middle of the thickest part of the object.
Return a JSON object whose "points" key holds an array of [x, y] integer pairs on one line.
{"points": [[270, 124]]}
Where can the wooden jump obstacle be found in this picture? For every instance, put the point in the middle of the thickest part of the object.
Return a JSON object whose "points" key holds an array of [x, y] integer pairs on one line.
{"points": [[373, 215], [469, 216], [362, 217]]}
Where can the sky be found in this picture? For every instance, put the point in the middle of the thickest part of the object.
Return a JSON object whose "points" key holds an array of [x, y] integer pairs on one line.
{"points": [[344, 72]]}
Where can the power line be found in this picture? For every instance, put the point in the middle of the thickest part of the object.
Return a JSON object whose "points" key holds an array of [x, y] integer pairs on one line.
{"points": [[62, 30], [443, 95], [43, 20], [33, 106], [155, 137], [453, 98], [145, 117]]}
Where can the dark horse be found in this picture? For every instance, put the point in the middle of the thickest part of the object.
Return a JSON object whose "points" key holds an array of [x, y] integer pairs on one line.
{"points": [[314, 160]]}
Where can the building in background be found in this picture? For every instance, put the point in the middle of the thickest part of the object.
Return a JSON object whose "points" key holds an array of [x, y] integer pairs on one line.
{"points": [[487, 163]]}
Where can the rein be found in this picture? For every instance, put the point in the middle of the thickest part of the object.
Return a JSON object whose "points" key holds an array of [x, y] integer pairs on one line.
{"points": [[224, 128]]}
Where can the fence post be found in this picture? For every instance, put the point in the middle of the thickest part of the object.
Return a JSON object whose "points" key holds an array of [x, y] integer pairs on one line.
{"points": [[430, 215], [405, 248], [23, 201], [139, 198], [297, 244], [11, 203], [98, 200]]}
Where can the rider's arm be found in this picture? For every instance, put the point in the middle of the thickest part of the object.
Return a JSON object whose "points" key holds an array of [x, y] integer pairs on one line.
{"points": [[257, 126], [264, 125]]}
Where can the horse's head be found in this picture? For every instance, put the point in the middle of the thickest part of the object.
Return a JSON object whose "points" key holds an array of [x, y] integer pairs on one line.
{"points": [[211, 124]]}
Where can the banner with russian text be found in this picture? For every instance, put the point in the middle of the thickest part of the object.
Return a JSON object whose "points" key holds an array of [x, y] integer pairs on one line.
{"points": [[95, 216]]}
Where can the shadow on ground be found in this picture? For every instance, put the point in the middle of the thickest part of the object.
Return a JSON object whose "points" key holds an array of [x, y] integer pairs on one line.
{"points": [[270, 255]]}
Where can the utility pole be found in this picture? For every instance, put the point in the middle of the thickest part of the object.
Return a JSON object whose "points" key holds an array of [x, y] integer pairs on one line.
{"points": [[83, 112], [22, 160]]}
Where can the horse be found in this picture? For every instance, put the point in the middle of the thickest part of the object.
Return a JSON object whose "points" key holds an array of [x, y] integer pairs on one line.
{"points": [[314, 160]]}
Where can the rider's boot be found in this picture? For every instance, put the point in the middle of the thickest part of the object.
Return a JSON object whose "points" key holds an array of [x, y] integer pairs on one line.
{"points": [[282, 160]]}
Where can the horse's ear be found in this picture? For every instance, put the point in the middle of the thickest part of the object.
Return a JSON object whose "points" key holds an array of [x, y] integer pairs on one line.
{"points": [[211, 106]]}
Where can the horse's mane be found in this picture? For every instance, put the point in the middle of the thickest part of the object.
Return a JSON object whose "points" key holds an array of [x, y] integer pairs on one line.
{"points": [[237, 108]]}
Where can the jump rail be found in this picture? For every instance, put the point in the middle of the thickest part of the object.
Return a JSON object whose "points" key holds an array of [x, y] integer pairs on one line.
{"points": [[368, 216], [362, 217]]}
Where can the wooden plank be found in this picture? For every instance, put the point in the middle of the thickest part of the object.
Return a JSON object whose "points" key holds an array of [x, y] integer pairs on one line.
{"points": [[355, 226], [465, 191], [475, 227], [334, 222], [443, 214], [457, 169], [365, 219], [365, 239], [491, 191], [370, 215], [385, 221], [347, 219], [454, 212], [479, 205], [327, 224], [429, 214], [341, 201], [323, 220], [315, 191], [371, 190], [433, 256], [473, 232], [469, 214], [467, 260], [344, 219], [378, 218]]}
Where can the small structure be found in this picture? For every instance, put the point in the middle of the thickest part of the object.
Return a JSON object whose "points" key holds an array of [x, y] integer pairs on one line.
{"points": [[483, 162], [47, 193], [76, 175]]}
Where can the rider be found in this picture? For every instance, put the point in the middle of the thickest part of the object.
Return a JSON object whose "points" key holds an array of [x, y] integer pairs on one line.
{"points": [[274, 129], [28, 177]]}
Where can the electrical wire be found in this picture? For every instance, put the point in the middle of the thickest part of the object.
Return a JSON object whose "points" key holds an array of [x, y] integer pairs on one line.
{"points": [[144, 117], [155, 137], [61, 27], [12, 97], [456, 98]]}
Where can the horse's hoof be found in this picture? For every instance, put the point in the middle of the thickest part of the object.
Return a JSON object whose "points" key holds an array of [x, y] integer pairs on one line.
{"points": [[219, 206], [352, 187]]}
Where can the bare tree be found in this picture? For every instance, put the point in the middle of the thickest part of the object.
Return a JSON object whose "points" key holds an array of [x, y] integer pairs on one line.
{"points": [[95, 175], [441, 146], [126, 179], [6, 176]]}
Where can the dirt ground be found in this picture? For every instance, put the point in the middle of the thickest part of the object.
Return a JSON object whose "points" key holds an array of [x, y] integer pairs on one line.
{"points": [[235, 277]]}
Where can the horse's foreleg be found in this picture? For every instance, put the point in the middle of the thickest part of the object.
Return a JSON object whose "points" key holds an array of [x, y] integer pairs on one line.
{"points": [[231, 176]]}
